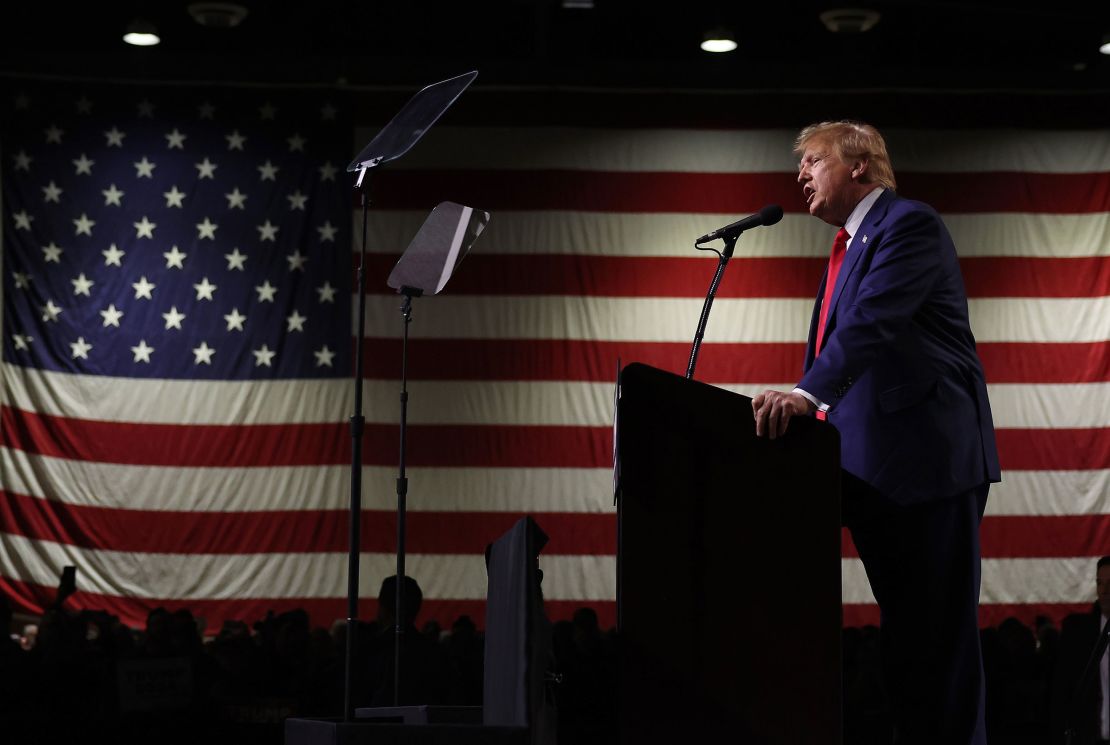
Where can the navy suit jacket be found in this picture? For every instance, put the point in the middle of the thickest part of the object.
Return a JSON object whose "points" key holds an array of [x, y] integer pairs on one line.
{"points": [[898, 366]]}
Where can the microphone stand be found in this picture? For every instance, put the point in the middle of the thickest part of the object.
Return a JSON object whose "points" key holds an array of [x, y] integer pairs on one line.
{"points": [[722, 262]]}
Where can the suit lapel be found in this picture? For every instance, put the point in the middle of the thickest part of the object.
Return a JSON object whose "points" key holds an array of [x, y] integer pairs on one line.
{"points": [[855, 251]]}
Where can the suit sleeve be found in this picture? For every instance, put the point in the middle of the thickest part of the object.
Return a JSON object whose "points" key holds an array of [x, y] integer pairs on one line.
{"points": [[901, 274]]}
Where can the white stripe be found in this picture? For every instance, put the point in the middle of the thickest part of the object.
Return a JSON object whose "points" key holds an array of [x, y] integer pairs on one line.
{"points": [[733, 320], [566, 232], [1055, 580], [176, 401], [92, 484], [444, 402], [465, 489], [1051, 493], [292, 575], [747, 150], [1040, 319]]}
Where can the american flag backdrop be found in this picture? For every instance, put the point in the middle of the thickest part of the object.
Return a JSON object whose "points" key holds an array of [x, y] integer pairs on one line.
{"points": [[201, 461]]}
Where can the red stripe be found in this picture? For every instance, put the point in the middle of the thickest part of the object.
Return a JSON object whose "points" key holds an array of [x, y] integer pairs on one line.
{"points": [[307, 531], [1011, 276], [1030, 536], [1037, 362], [429, 445], [564, 359], [324, 612], [761, 277], [729, 193], [990, 614]]}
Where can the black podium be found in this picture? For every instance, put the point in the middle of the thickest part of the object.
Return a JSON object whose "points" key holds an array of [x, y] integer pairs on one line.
{"points": [[728, 576]]}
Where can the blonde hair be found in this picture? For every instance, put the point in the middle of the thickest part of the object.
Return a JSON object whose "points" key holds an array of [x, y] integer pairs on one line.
{"points": [[852, 141]]}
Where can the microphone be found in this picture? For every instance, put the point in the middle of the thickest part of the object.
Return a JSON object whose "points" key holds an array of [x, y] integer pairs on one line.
{"points": [[769, 215]]}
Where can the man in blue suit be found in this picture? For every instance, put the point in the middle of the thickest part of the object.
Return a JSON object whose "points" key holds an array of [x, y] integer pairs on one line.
{"points": [[891, 363]]}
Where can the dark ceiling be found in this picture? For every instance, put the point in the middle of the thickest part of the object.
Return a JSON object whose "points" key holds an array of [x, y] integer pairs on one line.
{"points": [[617, 43]]}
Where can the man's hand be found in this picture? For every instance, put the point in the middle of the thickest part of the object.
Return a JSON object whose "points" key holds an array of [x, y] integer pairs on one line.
{"points": [[773, 410]]}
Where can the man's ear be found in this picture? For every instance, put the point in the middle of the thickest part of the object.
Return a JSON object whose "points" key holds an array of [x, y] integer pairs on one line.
{"points": [[858, 169]]}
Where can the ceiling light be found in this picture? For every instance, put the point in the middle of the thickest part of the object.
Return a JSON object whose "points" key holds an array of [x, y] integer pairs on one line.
{"points": [[141, 33], [1105, 48], [217, 15], [718, 40], [849, 20]]}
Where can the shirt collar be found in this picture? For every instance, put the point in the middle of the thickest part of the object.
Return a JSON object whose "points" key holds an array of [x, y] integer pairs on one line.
{"points": [[856, 218]]}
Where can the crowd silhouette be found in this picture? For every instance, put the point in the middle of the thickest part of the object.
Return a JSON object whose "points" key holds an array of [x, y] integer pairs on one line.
{"points": [[87, 677]]}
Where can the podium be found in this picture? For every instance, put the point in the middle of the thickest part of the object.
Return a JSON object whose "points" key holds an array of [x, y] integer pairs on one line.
{"points": [[728, 569]]}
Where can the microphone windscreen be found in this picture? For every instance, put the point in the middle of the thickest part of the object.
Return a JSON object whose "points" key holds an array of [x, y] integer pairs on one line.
{"points": [[771, 214]]}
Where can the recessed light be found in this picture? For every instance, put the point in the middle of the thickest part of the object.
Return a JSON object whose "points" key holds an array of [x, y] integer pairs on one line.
{"points": [[718, 40], [141, 33]]}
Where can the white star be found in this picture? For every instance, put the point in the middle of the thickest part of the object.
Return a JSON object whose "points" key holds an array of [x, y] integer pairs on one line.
{"points": [[175, 258], [204, 289], [111, 315], [23, 220], [23, 161], [265, 292], [235, 140], [297, 200], [80, 348], [263, 356], [83, 165], [84, 105], [296, 261], [22, 281], [327, 113], [112, 255], [267, 232], [206, 110], [327, 172], [53, 134], [52, 252], [324, 356], [173, 318], [174, 197], [112, 195], [146, 108], [144, 168], [203, 353], [327, 231], [206, 169], [234, 320], [176, 139], [51, 193], [83, 225], [295, 321], [21, 341], [327, 293], [50, 312], [296, 143], [236, 199], [142, 352], [235, 260], [145, 228], [143, 288], [115, 137], [206, 229], [82, 285], [267, 111], [268, 171]]}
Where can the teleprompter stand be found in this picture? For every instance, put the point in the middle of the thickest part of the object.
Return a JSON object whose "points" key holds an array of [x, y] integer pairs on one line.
{"points": [[728, 570], [418, 115]]}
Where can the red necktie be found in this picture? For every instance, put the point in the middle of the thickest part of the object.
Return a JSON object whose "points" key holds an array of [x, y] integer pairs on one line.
{"points": [[836, 259]]}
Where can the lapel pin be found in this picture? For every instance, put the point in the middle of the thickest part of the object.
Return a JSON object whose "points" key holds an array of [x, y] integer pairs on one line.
{"points": [[865, 239]]}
